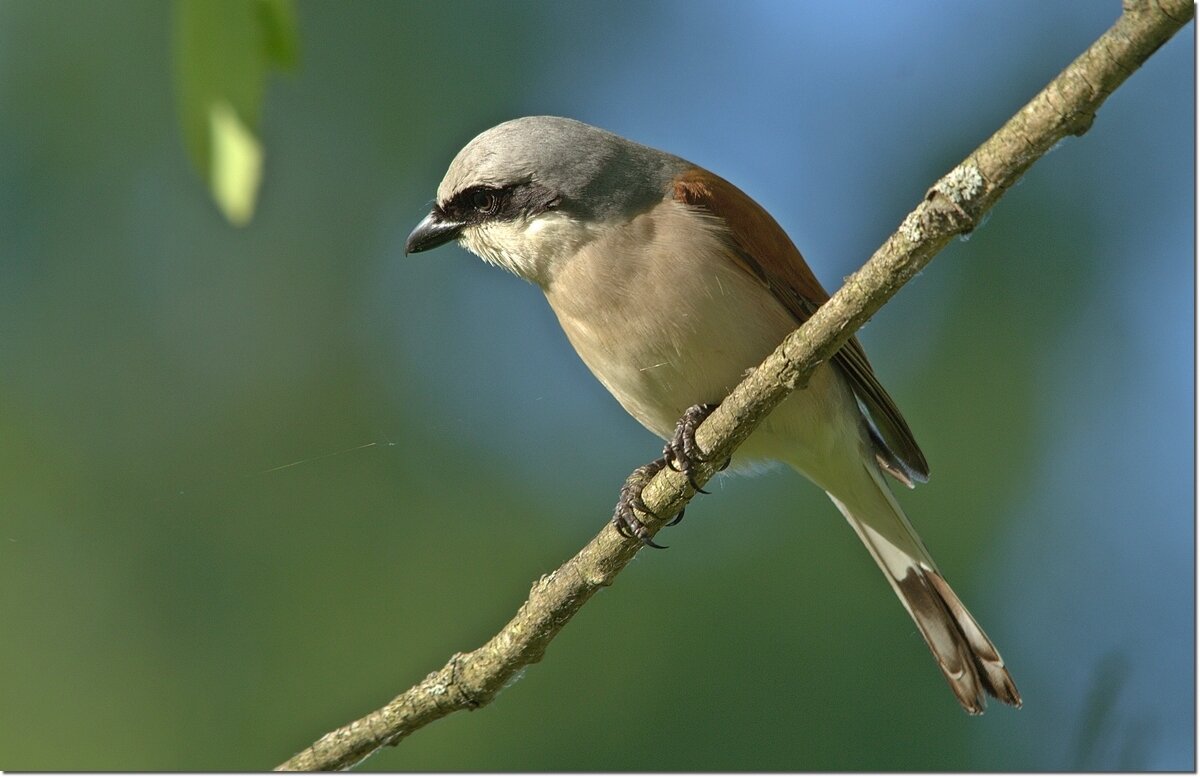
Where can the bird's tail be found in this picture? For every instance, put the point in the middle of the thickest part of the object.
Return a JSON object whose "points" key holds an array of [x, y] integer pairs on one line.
{"points": [[966, 656]]}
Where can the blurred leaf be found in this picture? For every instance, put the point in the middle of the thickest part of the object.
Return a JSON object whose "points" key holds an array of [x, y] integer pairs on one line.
{"points": [[223, 51], [236, 167], [279, 26]]}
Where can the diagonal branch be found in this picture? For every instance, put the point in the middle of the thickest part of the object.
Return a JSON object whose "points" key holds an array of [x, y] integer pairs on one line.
{"points": [[953, 206]]}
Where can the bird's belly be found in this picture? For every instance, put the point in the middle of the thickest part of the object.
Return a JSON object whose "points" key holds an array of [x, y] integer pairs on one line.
{"points": [[690, 341], [655, 379], [666, 324], [815, 430]]}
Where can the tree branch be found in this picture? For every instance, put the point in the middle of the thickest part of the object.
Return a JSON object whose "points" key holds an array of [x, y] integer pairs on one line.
{"points": [[953, 206]]}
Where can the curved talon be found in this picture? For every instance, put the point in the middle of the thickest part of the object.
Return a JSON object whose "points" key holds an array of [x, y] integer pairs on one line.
{"points": [[631, 528], [636, 502], [630, 503], [682, 453]]}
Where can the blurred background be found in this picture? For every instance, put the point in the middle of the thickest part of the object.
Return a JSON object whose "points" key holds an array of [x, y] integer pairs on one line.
{"points": [[257, 481]]}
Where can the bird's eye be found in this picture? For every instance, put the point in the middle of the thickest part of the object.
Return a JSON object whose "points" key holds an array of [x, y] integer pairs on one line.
{"points": [[485, 201]]}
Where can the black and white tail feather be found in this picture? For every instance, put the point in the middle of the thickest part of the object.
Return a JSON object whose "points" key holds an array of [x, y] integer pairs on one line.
{"points": [[969, 661]]}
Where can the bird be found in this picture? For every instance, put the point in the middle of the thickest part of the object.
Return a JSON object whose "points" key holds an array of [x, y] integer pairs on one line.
{"points": [[671, 283]]}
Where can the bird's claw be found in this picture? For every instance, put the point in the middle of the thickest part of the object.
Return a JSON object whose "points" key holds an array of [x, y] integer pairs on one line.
{"points": [[682, 453], [630, 503]]}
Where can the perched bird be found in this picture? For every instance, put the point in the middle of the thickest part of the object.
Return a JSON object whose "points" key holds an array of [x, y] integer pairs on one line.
{"points": [[670, 283]]}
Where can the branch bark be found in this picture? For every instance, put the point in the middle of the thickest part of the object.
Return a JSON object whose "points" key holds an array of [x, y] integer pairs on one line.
{"points": [[952, 206]]}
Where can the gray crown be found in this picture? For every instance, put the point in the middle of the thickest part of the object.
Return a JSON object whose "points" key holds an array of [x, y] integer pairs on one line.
{"points": [[593, 173]]}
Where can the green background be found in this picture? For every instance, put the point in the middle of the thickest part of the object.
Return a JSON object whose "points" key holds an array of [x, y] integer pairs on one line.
{"points": [[174, 597]]}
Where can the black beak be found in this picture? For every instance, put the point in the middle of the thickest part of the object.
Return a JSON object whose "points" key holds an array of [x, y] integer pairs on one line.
{"points": [[434, 230]]}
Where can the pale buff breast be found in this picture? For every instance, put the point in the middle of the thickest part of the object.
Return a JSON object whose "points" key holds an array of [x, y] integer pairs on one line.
{"points": [[664, 319]]}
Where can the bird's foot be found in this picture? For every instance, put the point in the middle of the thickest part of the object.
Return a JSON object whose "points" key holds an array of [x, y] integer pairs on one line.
{"points": [[681, 453], [630, 503]]}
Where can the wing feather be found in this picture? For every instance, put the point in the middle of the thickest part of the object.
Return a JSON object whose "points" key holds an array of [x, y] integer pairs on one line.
{"points": [[765, 251]]}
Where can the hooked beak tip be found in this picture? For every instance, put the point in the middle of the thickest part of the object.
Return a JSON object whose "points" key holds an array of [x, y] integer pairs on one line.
{"points": [[433, 231]]}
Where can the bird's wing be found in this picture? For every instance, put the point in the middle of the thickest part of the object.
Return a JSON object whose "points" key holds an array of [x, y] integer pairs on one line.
{"points": [[765, 251]]}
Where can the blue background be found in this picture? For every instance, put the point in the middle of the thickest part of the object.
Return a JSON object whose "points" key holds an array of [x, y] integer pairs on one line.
{"points": [[175, 597]]}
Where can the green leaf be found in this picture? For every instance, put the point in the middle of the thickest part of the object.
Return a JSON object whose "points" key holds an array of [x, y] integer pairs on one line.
{"points": [[279, 26], [236, 167], [223, 52]]}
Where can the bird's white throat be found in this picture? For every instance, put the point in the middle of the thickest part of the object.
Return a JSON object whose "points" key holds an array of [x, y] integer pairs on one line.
{"points": [[530, 248]]}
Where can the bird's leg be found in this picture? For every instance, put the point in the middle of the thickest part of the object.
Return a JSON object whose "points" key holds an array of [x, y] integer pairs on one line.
{"points": [[681, 453], [630, 503]]}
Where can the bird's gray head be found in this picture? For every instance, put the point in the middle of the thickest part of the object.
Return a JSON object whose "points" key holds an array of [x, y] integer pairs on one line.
{"points": [[529, 190]]}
